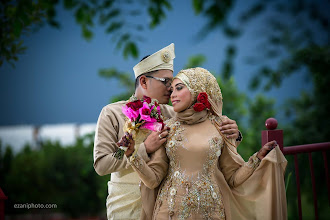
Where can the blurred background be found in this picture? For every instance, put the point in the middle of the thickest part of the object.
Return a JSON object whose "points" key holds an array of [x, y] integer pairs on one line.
{"points": [[61, 61]]}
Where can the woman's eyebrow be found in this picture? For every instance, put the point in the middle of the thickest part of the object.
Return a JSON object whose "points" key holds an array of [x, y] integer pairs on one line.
{"points": [[179, 84]]}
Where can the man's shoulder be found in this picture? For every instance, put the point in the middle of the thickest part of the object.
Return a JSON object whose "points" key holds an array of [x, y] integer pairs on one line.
{"points": [[114, 106], [113, 109]]}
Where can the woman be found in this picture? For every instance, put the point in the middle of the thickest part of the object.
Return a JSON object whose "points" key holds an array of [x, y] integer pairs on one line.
{"points": [[201, 174]]}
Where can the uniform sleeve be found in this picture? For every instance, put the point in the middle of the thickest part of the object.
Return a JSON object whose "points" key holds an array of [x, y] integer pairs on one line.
{"points": [[153, 172], [106, 137], [235, 170]]}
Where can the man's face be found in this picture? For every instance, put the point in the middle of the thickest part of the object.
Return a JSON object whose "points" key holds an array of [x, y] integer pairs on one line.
{"points": [[157, 89]]}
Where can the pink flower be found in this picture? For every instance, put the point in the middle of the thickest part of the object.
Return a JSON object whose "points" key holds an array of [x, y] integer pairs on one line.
{"points": [[145, 112], [158, 110], [130, 113], [154, 126]]}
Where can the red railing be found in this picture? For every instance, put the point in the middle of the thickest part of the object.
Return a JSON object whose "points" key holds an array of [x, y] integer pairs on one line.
{"points": [[274, 134]]}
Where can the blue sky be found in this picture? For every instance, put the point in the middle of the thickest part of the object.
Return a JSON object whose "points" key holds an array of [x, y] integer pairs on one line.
{"points": [[56, 80]]}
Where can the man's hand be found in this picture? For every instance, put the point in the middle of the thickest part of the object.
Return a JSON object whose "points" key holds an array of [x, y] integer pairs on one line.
{"points": [[155, 140], [127, 141], [266, 149], [229, 128]]}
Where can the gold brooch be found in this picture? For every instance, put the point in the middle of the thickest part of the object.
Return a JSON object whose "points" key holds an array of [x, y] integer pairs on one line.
{"points": [[166, 56]]}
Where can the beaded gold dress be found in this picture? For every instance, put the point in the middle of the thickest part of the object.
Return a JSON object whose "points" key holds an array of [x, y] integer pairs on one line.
{"points": [[190, 189], [199, 173]]}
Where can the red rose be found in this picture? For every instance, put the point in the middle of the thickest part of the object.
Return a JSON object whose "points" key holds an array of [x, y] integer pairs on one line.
{"points": [[198, 107], [159, 119], [136, 105], [202, 97], [146, 111], [147, 99]]}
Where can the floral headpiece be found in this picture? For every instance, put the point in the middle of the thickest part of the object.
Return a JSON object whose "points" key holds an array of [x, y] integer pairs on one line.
{"points": [[202, 102]]}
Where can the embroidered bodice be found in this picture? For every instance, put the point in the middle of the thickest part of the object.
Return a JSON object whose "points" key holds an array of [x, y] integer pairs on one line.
{"points": [[190, 185]]}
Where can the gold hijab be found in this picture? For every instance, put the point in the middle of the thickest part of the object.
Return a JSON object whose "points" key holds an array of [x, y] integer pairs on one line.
{"points": [[200, 80]]}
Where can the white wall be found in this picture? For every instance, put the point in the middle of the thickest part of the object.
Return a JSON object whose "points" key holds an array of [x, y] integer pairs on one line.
{"points": [[18, 136]]}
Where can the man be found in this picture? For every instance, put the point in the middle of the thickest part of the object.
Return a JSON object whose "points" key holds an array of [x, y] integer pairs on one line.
{"points": [[153, 76]]}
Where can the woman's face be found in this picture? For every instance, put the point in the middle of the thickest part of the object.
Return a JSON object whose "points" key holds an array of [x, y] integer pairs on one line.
{"points": [[181, 96]]}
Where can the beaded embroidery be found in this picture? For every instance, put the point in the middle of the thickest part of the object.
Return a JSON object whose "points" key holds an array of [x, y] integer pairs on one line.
{"points": [[198, 193]]}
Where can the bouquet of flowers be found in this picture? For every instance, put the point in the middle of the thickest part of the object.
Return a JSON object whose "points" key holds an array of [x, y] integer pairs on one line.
{"points": [[142, 116]]}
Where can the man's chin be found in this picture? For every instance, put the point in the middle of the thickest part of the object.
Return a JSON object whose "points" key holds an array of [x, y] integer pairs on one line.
{"points": [[164, 101]]}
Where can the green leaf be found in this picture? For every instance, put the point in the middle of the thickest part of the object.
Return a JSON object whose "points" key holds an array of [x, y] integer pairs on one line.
{"points": [[254, 83], [130, 49], [70, 4], [255, 10], [113, 27], [231, 32], [134, 50], [167, 4], [122, 40], [87, 34], [107, 4], [17, 28], [195, 61], [80, 15], [198, 6], [104, 18]]}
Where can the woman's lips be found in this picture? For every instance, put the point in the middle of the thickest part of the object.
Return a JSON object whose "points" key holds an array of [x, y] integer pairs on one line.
{"points": [[175, 101]]}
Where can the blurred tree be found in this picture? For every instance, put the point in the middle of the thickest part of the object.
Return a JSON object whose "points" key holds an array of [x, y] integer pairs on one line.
{"points": [[55, 174], [20, 18], [125, 80]]}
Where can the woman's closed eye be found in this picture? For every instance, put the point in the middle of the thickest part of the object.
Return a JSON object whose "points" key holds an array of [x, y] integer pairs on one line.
{"points": [[179, 87]]}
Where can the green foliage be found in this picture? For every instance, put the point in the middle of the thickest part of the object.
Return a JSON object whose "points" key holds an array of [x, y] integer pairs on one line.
{"points": [[198, 6], [195, 61], [17, 19], [20, 18], [293, 38], [293, 44], [124, 78], [55, 174], [217, 13], [156, 11]]}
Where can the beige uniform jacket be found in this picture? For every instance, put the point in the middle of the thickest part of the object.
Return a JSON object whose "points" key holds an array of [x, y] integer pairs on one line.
{"points": [[124, 198]]}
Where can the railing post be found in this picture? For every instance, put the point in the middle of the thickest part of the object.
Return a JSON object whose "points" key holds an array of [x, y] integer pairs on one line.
{"points": [[3, 197], [272, 133]]}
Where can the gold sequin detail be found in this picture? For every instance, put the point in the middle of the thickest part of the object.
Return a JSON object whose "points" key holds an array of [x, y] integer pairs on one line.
{"points": [[187, 195]]}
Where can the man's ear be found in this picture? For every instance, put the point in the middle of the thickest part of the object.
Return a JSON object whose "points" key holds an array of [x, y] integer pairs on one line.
{"points": [[143, 82]]}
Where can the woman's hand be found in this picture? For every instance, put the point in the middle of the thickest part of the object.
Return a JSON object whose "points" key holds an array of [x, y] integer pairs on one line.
{"points": [[127, 141], [266, 149]]}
